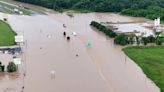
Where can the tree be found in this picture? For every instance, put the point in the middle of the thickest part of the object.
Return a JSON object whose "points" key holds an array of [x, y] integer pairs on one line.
{"points": [[121, 39], [145, 40], [11, 67]]}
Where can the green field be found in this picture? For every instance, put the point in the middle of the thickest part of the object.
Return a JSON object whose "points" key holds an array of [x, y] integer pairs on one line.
{"points": [[151, 60], [6, 35]]}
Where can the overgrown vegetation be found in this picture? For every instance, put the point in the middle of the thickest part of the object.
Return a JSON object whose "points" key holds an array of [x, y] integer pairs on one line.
{"points": [[142, 8], [6, 35], [151, 60]]}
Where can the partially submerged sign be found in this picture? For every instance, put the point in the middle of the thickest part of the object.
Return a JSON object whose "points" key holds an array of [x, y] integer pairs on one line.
{"points": [[19, 39], [89, 44], [17, 61]]}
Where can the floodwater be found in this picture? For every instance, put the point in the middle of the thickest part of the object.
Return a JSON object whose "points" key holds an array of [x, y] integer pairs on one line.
{"points": [[139, 27], [10, 82], [103, 67]]}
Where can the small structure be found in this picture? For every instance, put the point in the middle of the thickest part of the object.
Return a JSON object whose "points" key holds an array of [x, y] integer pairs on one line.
{"points": [[17, 61], [20, 12], [12, 51], [157, 27], [16, 10], [157, 22]]}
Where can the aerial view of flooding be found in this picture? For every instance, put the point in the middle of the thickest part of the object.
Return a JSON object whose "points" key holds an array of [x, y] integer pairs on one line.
{"points": [[62, 52]]}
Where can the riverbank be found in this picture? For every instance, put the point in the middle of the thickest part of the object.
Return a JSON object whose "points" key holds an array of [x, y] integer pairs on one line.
{"points": [[151, 60]]}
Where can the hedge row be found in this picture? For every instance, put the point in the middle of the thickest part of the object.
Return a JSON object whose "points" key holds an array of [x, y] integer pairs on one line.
{"points": [[121, 40], [104, 29], [131, 39]]}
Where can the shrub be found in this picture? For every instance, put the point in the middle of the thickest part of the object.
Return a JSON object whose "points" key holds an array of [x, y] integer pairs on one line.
{"points": [[159, 41], [145, 40], [121, 39], [3, 68], [5, 19], [151, 39], [11, 67]]}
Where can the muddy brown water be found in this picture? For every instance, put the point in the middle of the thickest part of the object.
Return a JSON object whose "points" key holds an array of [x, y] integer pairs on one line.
{"points": [[103, 67]]}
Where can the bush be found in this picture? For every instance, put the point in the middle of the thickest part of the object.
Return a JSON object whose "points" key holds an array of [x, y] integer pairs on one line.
{"points": [[145, 40], [3, 68], [11, 67], [5, 19], [159, 41], [121, 39], [151, 39]]}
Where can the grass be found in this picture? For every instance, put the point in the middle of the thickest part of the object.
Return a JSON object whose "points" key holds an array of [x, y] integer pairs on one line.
{"points": [[151, 60], [6, 35]]}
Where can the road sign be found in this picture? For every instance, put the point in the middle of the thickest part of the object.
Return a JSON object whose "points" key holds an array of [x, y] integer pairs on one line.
{"points": [[89, 44], [17, 61], [19, 39]]}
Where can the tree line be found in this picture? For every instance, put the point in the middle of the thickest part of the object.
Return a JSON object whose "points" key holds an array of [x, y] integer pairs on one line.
{"points": [[142, 8]]}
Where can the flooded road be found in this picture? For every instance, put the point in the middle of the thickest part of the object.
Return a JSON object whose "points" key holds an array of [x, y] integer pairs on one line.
{"points": [[100, 68]]}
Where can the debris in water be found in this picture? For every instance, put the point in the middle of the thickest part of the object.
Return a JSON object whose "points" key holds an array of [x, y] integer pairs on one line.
{"points": [[64, 25], [77, 55], [48, 36], [74, 33]]}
